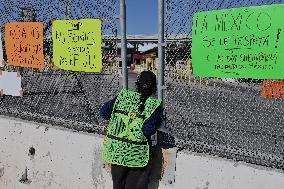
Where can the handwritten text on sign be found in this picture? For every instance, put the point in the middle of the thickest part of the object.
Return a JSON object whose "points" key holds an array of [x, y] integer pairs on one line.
{"points": [[77, 45], [24, 44], [239, 43]]}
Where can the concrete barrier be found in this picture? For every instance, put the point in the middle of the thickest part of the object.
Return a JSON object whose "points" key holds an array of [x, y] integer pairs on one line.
{"points": [[38, 156]]}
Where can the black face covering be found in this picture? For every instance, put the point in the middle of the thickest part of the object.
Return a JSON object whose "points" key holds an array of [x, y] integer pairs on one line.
{"points": [[146, 85]]}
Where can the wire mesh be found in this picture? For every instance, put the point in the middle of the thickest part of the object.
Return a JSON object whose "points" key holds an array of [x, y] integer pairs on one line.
{"points": [[224, 117], [68, 99]]}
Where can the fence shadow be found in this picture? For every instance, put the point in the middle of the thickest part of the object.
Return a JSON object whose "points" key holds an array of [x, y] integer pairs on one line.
{"points": [[163, 162], [156, 168]]}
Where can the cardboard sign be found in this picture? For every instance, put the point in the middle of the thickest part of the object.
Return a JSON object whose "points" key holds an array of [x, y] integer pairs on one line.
{"points": [[10, 84], [24, 44], [272, 89], [77, 45], [1, 52], [243, 42]]}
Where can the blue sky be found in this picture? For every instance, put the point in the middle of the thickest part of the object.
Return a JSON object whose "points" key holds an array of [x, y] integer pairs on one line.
{"points": [[142, 16]]}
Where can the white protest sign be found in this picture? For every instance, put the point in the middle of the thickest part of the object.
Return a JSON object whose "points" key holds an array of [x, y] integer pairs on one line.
{"points": [[10, 83]]}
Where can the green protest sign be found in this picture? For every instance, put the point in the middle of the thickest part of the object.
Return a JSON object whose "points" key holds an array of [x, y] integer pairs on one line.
{"points": [[77, 45], [245, 42]]}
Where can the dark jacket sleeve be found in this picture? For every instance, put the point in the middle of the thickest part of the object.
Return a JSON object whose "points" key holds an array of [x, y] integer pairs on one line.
{"points": [[106, 109], [150, 126]]}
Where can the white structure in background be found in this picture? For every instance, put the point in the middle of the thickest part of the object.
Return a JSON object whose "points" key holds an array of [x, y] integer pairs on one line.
{"points": [[230, 80], [146, 46], [10, 83], [1, 52]]}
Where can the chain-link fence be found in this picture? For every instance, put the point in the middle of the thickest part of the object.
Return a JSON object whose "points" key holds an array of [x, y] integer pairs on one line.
{"points": [[228, 118], [61, 97]]}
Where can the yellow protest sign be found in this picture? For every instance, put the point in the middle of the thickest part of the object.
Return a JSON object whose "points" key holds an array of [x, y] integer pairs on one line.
{"points": [[77, 45], [24, 44]]}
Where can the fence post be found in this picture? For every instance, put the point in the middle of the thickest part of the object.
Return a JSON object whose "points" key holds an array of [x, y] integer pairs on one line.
{"points": [[66, 9], [161, 50], [123, 43]]}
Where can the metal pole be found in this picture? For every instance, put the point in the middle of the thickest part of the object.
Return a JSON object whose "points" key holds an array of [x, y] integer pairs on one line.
{"points": [[161, 50], [123, 43], [67, 9]]}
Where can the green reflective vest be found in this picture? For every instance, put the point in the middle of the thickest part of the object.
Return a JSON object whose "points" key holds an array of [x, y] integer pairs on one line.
{"points": [[125, 143]]}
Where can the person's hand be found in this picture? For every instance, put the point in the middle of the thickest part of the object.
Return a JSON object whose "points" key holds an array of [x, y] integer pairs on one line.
{"points": [[107, 165]]}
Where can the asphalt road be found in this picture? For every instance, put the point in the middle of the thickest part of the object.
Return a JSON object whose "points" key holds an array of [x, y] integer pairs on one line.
{"points": [[132, 76], [234, 116]]}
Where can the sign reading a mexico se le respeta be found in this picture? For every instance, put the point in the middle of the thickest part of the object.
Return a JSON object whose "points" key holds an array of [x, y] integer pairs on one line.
{"points": [[245, 42], [77, 45]]}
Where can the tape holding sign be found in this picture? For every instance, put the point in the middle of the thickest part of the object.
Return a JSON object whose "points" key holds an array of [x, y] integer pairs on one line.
{"points": [[10, 84], [77, 45], [242, 42], [1, 52], [24, 44], [272, 89]]}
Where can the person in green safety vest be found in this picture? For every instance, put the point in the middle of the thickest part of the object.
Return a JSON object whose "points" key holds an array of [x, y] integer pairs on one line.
{"points": [[134, 117]]}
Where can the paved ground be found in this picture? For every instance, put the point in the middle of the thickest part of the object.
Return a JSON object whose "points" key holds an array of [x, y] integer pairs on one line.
{"points": [[132, 79]]}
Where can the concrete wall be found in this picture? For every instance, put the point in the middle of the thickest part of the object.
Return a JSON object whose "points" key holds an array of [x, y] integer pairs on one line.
{"points": [[72, 160]]}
